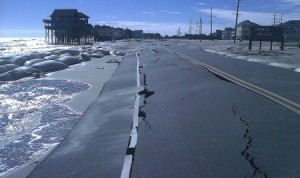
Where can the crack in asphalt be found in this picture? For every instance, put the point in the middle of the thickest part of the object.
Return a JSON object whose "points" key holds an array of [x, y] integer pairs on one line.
{"points": [[221, 77], [156, 61], [146, 94], [154, 51], [249, 139], [175, 65]]}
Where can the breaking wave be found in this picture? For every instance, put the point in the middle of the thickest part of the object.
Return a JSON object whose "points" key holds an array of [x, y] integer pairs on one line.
{"points": [[33, 119]]}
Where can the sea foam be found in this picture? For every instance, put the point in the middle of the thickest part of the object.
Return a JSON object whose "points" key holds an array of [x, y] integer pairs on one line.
{"points": [[16, 46], [33, 119]]}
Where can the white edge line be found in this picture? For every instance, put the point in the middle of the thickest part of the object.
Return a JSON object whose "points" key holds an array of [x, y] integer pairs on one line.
{"points": [[126, 166], [135, 122], [133, 139], [137, 70], [133, 135]]}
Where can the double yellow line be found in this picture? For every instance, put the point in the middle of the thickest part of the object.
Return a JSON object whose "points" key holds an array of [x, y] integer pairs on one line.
{"points": [[272, 96]]}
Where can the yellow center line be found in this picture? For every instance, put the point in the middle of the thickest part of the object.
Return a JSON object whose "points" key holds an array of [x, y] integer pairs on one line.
{"points": [[265, 93]]}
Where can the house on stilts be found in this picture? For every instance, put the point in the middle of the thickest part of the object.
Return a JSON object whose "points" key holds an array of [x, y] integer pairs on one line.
{"points": [[67, 26]]}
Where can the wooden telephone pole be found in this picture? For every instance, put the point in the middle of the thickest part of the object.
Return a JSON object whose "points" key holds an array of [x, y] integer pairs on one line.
{"points": [[211, 18], [236, 18]]}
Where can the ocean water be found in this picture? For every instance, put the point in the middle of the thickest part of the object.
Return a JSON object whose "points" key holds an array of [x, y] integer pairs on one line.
{"points": [[16, 46], [33, 119]]}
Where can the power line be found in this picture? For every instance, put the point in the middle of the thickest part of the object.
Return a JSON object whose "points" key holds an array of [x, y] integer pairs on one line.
{"points": [[289, 10]]}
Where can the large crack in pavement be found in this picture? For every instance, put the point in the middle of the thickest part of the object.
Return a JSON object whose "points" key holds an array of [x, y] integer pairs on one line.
{"points": [[249, 140], [169, 64], [221, 77], [138, 112], [146, 93], [175, 65]]}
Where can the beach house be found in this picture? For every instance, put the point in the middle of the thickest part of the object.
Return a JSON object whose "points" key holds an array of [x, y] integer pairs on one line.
{"points": [[228, 34], [67, 26], [118, 33], [103, 33], [137, 34], [291, 30], [243, 29]]}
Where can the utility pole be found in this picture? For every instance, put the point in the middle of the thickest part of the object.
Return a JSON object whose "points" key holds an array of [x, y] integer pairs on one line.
{"points": [[200, 26], [236, 18], [274, 20], [274, 23], [191, 28], [211, 22], [281, 18], [197, 27], [178, 32]]}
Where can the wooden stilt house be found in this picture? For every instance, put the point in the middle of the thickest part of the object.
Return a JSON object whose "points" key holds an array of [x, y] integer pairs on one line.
{"points": [[67, 26]]}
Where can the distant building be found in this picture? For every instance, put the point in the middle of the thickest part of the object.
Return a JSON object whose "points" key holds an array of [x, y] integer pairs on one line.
{"points": [[118, 33], [103, 33], [243, 29], [228, 34], [218, 34], [291, 30], [67, 26], [152, 36], [137, 34]]}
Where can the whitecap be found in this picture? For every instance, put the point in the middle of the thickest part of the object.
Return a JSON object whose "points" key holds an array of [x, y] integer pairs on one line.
{"points": [[34, 119]]}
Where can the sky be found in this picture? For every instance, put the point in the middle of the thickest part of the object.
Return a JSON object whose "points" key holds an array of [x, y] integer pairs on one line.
{"points": [[23, 18]]}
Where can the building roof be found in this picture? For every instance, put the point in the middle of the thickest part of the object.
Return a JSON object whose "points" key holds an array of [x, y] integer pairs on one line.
{"points": [[68, 13], [82, 15], [47, 20], [295, 23], [103, 27], [247, 22], [64, 12]]}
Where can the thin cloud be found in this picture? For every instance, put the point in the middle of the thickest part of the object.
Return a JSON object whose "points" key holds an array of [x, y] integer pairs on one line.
{"points": [[292, 2], [289, 6], [201, 3], [151, 14], [145, 12], [171, 12]]}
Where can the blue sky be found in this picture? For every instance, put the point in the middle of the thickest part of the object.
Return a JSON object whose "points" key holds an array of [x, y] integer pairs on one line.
{"points": [[23, 18]]}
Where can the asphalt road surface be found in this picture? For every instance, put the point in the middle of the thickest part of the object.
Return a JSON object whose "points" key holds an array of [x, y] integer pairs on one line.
{"points": [[199, 125], [192, 123]]}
